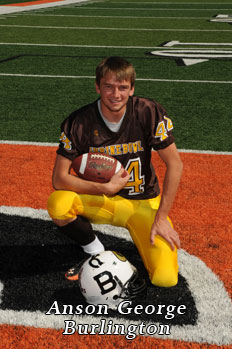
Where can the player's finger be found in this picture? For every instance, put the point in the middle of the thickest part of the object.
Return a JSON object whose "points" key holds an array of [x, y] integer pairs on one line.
{"points": [[178, 242], [152, 238], [171, 243], [176, 239], [122, 172]]}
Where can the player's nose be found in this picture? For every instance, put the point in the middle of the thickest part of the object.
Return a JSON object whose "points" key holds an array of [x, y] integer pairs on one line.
{"points": [[115, 92]]}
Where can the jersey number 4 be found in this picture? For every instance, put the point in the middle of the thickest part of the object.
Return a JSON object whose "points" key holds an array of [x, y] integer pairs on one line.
{"points": [[136, 181], [161, 130]]}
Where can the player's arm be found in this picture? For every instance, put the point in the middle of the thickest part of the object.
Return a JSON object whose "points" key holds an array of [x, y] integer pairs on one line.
{"points": [[62, 179], [174, 168]]}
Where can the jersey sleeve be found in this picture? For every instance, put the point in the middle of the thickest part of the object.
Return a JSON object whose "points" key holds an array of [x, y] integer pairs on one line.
{"points": [[161, 127], [69, 140]]}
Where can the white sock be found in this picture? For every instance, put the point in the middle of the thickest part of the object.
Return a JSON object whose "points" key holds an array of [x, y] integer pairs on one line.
{"points": [[94, 247]]}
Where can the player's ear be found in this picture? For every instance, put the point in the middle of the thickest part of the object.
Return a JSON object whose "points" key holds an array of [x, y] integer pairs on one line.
{"points": [[97, 88], [132, 91]]}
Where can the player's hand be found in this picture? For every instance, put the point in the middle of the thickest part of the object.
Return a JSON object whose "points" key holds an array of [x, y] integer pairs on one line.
{"points": [[117, 182], [163, 228]]}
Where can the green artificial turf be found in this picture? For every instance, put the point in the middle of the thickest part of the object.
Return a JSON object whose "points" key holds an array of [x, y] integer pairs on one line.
{"points": [[34, 106]]}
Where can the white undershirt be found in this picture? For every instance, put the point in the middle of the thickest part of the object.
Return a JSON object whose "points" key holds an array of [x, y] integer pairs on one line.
{"points": [[113, 126]]}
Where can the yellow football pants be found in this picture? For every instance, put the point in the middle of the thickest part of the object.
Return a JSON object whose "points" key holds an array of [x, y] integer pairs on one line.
{"points": [[135, 215]]}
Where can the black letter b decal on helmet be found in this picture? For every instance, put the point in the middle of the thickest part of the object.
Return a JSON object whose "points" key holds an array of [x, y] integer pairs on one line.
{"points": [[103, 284]]}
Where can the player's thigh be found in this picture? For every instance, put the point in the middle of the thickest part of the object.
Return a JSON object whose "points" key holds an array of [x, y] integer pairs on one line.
{"points": [[64, 205], [159, 259]]}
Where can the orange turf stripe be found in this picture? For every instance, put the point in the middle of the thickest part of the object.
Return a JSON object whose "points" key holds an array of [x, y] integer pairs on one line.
{"points": [[27, 179], [36, 2], [201, 213], [29, 337]]}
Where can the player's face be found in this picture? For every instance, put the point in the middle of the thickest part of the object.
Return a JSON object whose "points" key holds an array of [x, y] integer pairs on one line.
{"points": [[114, 95]]}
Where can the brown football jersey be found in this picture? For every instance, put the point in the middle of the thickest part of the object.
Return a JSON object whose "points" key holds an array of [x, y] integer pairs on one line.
{"points": [[145, 126]]}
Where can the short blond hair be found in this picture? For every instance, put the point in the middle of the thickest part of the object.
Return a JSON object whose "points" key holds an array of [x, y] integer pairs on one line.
{"points": [[123, 69]]}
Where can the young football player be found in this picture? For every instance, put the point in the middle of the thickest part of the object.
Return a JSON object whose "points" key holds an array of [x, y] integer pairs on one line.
{"points": [[126, 127]]}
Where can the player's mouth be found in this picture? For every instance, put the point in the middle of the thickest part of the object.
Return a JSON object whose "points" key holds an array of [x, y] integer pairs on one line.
{"points": [[113, 101]]}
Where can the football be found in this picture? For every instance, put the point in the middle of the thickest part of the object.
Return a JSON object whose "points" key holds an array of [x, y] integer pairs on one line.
{"points": [[96, 167]]}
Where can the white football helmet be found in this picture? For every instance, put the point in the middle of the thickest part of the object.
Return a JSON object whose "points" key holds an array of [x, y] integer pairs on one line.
{"points": [[109, 278]]}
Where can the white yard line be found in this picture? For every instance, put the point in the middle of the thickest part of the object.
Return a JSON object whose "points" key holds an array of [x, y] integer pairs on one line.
{"points": [[39, 144], [153, 9], [113, 29], [164, 47], [93, 77], [87, 46], [171, 3], [44, 144], [187, 81], [116, 17]]}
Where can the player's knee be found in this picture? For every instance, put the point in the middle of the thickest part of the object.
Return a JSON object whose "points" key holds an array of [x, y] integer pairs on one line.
{"points": [[62, 223], [164, 277], [164, 269], [60, 203]]}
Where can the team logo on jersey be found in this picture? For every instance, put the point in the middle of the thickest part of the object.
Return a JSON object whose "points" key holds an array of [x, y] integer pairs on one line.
{"points": [[119, 149], [65, 141]]}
